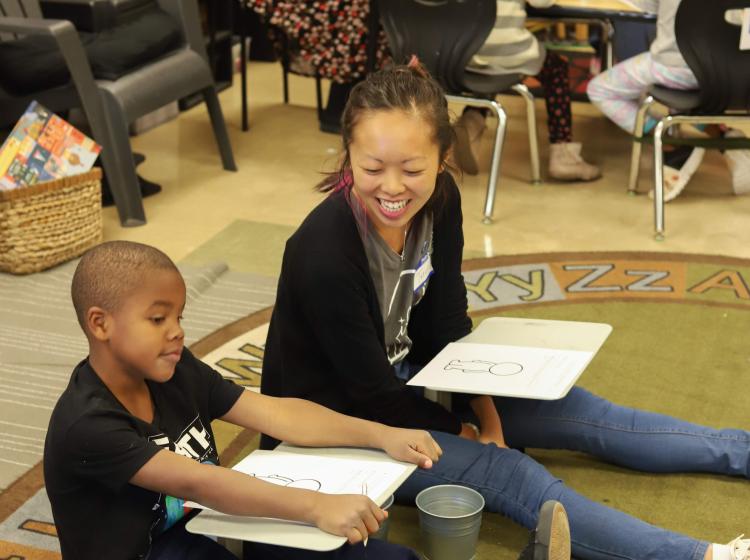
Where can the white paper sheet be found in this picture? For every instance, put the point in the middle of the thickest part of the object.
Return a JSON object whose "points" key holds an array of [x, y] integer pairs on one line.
{"points": [[364, 465], [504, 370], [321, 474]]}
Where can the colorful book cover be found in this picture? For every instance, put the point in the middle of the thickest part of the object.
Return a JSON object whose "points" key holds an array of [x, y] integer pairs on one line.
{"points": [[43, 147]]}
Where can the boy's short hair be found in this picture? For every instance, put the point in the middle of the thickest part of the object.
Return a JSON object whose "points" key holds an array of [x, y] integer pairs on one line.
{"points": [[111, 271]]}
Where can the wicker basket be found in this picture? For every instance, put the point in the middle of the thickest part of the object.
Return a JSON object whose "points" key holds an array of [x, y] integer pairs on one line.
{"points": [[49, 223]]}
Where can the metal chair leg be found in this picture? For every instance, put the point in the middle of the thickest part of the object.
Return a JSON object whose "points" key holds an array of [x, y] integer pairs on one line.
{"points": [[119, 166], [220, 128], [610, 52], [285, 83], [659, 131], [528, 97], [497, 152], [318, 96], [635, 157]]}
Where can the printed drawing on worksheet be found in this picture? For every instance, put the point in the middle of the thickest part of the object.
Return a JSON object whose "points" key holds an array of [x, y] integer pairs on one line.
{"points": [[504, 370]]}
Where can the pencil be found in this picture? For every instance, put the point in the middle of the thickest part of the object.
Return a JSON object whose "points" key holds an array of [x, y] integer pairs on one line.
{"points": [[364, 491]]}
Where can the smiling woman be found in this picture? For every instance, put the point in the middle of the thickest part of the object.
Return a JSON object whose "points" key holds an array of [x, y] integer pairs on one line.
{"points": [[360, 309], [395, 163], [396, 135]]}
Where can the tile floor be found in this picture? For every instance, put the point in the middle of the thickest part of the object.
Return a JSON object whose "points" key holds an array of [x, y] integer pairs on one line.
{"points": [[280, 158]]}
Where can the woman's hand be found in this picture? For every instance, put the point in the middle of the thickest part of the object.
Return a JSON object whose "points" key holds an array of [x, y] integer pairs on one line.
{"points": [[412, 446], [352, 516]]}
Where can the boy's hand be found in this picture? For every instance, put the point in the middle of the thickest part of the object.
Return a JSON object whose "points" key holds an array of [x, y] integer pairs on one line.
{"points": [[352, 516], [412, 446]]}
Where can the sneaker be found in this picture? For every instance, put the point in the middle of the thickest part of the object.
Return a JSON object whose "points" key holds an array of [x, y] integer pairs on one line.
{"points": [[469, 129], [551, 538], [566, 163], [738, 549], [679, 167], [739, 164]]}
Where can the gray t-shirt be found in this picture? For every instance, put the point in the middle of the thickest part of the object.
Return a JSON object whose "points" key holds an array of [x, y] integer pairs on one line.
{"points": [[400, 280]]}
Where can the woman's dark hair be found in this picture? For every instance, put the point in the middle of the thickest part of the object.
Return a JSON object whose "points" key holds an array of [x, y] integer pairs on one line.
{"points": [[408, 88]]}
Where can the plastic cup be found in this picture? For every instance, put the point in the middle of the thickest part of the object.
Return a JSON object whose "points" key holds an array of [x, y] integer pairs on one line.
{"points": [[450, 517], [382, 532]]}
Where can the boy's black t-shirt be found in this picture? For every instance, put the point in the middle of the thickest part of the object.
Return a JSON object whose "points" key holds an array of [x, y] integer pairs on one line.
{"points": [[94, 446]]}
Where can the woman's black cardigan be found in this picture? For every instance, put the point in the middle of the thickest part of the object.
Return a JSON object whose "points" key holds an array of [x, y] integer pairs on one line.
{"points": [[326, 342]]}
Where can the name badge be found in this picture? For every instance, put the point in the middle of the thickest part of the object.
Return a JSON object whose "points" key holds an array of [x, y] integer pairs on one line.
{"points": [[423, 272]]}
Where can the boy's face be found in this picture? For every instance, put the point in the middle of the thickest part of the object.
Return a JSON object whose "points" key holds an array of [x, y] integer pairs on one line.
{"points": [[145, 336]]}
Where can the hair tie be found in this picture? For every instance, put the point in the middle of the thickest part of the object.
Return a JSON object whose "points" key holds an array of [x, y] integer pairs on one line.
{"points": [[416, 66]]}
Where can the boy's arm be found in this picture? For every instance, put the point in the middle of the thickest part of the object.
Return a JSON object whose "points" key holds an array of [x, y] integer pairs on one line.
{"points": [[490, 427], [235, 493], [308, 424]]}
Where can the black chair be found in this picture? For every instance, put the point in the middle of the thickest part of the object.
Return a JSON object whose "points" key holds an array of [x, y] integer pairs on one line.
{"points": [[710, 45], [54, 66], [445, 34], [291, 63]]}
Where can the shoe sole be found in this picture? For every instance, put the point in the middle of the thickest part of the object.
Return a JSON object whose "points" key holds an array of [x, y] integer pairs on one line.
{"points": [[740, 167], [683, 175], [552, 541], [464, 158]]}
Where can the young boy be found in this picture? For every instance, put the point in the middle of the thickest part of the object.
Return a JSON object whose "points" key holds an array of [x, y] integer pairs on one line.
{"points": [[130, 439]]}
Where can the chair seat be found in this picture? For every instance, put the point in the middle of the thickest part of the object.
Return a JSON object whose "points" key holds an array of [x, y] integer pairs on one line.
{"points": [[33, 63], [486, 84], [119, 50], [681, 100], [175, 76]]}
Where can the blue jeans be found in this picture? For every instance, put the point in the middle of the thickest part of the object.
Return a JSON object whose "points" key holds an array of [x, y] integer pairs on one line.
{"points": [[515, 485]]}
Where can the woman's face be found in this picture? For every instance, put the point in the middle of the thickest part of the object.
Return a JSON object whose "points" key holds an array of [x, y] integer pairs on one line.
{"points": [[395, 163]]}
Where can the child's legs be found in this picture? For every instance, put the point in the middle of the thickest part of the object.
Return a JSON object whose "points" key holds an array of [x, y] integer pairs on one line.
{"points": [[625, 436], [376, 550], [617, 91], [179, 544], [555, 80], [515, 485]]}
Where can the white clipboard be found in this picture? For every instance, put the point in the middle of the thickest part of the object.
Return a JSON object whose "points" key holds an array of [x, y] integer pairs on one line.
{"points": [[289, 533], [514, 357]]}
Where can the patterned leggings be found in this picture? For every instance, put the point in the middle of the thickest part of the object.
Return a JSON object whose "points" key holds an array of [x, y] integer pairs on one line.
{"points": [[556, 84], [617, 91]]}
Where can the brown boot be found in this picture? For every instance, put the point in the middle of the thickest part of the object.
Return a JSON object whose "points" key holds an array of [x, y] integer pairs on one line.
{"points": [[469, 129], [566, 163]]}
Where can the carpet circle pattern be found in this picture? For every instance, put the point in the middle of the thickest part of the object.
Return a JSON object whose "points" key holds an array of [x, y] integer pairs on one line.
{"points": [[678, 347]]}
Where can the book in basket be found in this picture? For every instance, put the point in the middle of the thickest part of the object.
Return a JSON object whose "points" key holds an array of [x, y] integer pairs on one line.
{"points": [[44, 147]]}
